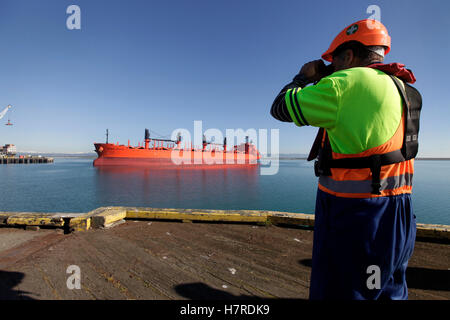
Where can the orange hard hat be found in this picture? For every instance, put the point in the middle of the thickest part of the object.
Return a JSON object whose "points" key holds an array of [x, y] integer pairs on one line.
{"points": [[368, 31]]}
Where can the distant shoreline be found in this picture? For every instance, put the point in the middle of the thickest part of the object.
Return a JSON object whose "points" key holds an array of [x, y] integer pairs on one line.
{"points": [[59, 155], [75, 156], [305, 158], [93, 156]]}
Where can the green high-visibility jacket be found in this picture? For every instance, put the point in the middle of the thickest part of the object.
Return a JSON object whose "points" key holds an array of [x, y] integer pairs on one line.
{"points": [[360, 108]]}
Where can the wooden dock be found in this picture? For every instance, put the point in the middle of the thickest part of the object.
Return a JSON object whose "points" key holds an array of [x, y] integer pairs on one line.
{"points": [[141, 259], [25, 160], [146, 253]]}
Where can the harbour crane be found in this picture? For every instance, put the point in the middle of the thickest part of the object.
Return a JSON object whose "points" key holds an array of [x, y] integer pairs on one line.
{"points": [[2, 114]]}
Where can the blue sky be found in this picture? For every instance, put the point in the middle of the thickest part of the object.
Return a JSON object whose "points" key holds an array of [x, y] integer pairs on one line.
{"points": [[163, 64]]}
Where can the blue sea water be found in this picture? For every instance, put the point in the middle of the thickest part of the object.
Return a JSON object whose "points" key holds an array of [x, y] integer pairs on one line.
{"points": [[74, 185]]}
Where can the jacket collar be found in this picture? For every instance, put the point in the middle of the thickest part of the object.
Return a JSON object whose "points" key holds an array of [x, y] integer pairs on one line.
{"points": [[395, 69]]}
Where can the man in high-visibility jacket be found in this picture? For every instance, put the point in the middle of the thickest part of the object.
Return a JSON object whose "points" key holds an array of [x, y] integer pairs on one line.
{"points": [[365, 228]]}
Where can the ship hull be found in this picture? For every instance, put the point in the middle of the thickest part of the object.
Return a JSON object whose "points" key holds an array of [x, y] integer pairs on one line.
{"points": [[119, 155]]}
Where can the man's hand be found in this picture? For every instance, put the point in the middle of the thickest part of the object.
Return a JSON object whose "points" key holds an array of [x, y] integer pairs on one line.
{"points": [[313, 70]]}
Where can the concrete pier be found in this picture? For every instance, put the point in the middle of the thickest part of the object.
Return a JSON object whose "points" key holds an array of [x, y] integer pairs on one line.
{"points": [[25, 160], [108, 216]]}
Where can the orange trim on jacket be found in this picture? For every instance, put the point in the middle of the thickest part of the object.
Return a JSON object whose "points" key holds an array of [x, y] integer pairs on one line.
{"points": [[356, 183]]}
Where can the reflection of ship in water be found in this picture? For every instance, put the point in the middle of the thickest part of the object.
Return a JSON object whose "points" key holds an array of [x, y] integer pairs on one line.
{"points": [[164, 152], [224, 187]]}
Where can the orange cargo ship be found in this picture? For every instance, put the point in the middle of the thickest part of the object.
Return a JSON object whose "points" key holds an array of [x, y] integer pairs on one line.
{"points": [[164, 153]]}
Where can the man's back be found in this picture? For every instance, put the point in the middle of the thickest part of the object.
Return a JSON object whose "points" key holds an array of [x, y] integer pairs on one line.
{"points": [[368, 109], [361, 110]]}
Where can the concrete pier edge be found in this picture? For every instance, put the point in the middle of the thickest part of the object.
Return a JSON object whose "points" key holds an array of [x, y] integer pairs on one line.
{"points": [[105, 217]]}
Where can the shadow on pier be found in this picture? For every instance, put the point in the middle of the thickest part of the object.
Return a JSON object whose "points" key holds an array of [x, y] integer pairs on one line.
{"points": [[428, 279], [201, 291], [417, 278], [9, 280]]}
